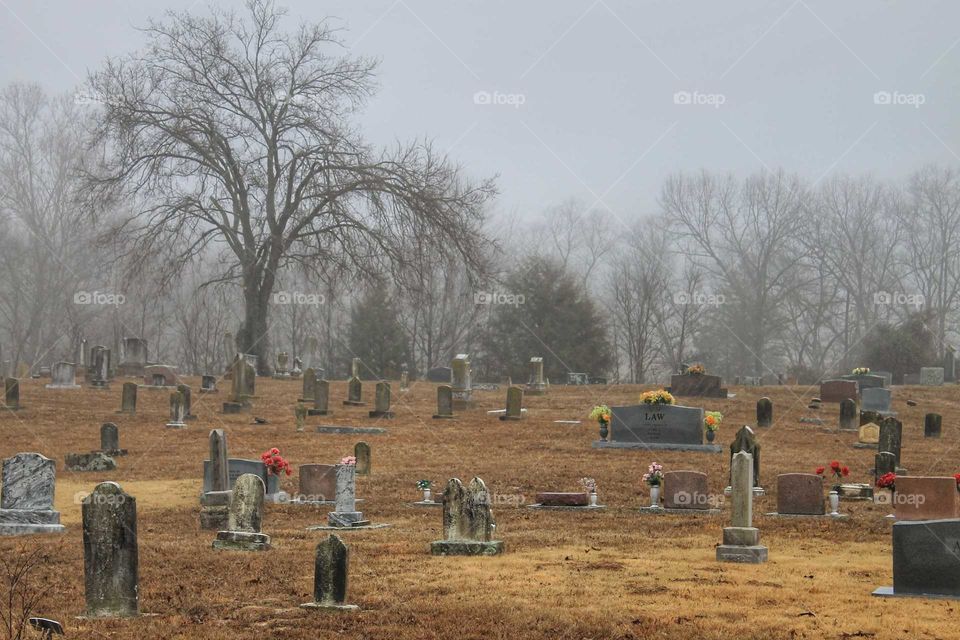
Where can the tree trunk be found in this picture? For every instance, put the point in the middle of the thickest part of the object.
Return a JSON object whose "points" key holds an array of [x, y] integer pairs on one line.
{"points": [[253, 337]]}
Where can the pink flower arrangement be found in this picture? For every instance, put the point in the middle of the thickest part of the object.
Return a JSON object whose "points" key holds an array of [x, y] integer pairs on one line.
{"points": [[654, 474], [348, 460]]}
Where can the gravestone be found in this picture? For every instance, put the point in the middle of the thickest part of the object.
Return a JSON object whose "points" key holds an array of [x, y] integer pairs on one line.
{"points": [[11, 399], [557, 499], [932, 423], [468, 524], [949, 365], [134, 357], [354, 393], [355, 368], [309, 386], [884, 462], [440, 374], [838, 390], [931, 376], [300, 414], [361, 451], [160, 375], [514, 404], [242, 385], [318, 483], [128, 398], [321, 399], [331, 570], [875, 399], [345, 512], [444, 402], [26, 496], [926, 498], [110, 440], [176, 411], [867, 417], [891, 437], [848, 415], [687, 491], [310, 351], [697, 384], [63, 375], [93, 461], [99, 371], [656, 426], [460, 380], [110, 555], [926, 560], [244, 517], [216, 495], [741, 540], [746, 441], [404, 378], [764, 412], [187, 402], [868, 436], [283, 362], [208, 384], [382, 402], [800, 494], [536, 385], [237, 467], [866, 380]]}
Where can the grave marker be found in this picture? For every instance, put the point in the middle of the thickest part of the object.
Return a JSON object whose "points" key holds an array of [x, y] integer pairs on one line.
{"points": [[110, 553]]}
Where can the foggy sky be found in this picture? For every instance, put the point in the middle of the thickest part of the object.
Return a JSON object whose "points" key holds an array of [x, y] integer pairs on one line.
{"points": [[597, 81]]}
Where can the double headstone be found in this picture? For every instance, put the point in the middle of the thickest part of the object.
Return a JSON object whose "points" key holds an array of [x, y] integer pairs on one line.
{"points": [[110, 554], [764, 413], [26, 498], [838, 390], [468, 524], [514, 409], [382, 402], [244, 517], [800, 494], [875, 399], [444, 402], [331, 570], [741, 540]]}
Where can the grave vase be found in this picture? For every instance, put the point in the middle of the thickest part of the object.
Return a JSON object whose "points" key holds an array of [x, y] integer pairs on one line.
{"points": [[711, 434], [427, 497], [834, 503], [655, 496], [593, 499], [603, 430]]}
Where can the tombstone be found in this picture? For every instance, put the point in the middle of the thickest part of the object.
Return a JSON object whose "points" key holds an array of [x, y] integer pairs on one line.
{"points": [[176, 411], [536, 386], [838, 390], [354, 393], [866, 380], [63, 375], [110, 440], [159, 375], [687, 491], [926, 498], [800, 494], [11, 398], [656, 426], [764, 413], [244, 517], [345, 512], [926, 560], [208, 384], [440, 374], [82, 361], [215, 499], [468, 524], [848, 415], [242, 385], [361, 451], [318, 483], [99, 372], [321, 399], [187, 402], [746, 441], [875, 399], [444, 402], [26, 496], [741, 540], [93, 461], [382, 402], [237, 467], [356, 367], [562, 499], [949, 365], [128, 398], [932, 423], [134, 357], [404, 378], [869, 435], [110, 555], [300, 414], [514, 404], [891, 437], [700, 385], [460, 380], [283, 360], [931, 376], [310, 352], [331, 570], [309, 386], [884, 462]]}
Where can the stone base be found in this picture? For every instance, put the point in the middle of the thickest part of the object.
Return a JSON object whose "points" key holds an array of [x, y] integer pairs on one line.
{"points": [[558, 507], [864, 445], [19, 522], [176, 425], [424, 503], [364, 527], [834, 516], [350, 430], [352, 403], [744, 555], [658, 446], [330, 607], [113, 453], [466, 548], [741, 536], [888, 592], [319, 412], [757, 491], [346, 519], [62, 386], [506, 417], [535, 391], [382, 414], [232, 407], [241, 541], [438, 416], [683, 512]]}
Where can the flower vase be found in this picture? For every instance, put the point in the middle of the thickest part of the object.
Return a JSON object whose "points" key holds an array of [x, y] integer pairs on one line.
{"points": [[655, 496], [427, 496], [603, 431], [593, 499], [834, 503], [711, 434]]}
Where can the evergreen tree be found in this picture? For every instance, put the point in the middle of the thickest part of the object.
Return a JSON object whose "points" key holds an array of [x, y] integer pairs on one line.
{"points": [[377, 337]]}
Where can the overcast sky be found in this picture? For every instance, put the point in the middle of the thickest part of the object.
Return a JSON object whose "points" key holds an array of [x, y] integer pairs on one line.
{"points": [[600, 100]]}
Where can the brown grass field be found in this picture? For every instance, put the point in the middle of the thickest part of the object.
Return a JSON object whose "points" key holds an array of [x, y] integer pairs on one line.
{"points": [[607, 574]]}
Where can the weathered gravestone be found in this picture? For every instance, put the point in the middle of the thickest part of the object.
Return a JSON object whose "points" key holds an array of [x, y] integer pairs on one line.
{"points": [[764, 412], [926, 560], [741, 540], [800, 494], [216, 495], [237, 467], [160, 375], [128, 398], [514, 409], [356, 367], [891, 437], [26, 498], [746, 441], [110, 440], [848, 415], [345, 512], [381, 406], [361, 452], [354, 393], [460, 380], [837, 390], [868, 436], [875, 399], [926, 498], [697, 384], [444, 402], [300, 414], [187, 402], [866, 380], [536, 385], [688, 492], [93, 461], [321, 399], [884, 462], [242, 385], [11, 398], [99, 371], [63, 375], [656, 426], [949, 365], [932, 423], [931, 376], [309, 386], [208, 384], [110, 554], [331, 570], [176, 411], [134, 357], [468, 524], [244, 517], [318, 483]]}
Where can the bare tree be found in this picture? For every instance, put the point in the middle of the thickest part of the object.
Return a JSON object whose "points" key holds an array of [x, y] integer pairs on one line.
{"points": [[22, 590], [239, 137]]}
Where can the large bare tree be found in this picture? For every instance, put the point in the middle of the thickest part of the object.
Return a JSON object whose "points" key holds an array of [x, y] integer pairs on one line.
{"points": [[239, 138]]}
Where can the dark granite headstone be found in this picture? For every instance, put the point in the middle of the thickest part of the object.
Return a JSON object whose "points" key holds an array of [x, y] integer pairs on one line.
{"points": [[891, 435], [110, 555], [932, 423], [331, 570], [656, 426], [745, 440], [697, 384], [764, 412], [926, 559]]}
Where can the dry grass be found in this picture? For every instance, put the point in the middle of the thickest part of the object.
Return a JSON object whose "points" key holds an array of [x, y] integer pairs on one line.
{"points": [[608, 574]]}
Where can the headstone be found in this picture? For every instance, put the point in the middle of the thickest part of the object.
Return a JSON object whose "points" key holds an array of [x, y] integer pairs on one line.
{"points": [[361, 451], [884, 462], [891, 437], [176, 411], [866, 380], [345, 512], [321, 399], [187, 402], [926, 498], [848, 415], [26, 497], [237, 467], [309, 386], [110, 440], [242, 385], [656, 426], [514, 404], [208, 384], [11, 399], [536, 386], [110, 554], [949, 365], [875, 399], [746, 441], [310, 352], [318, 483], [244, 517], [686, 490], [931, 376], [926, 559], [838, 390], [869, 434], [932, 423], [867, 417], [354, 393], [444, 402], [741, 540], [93, 461], [700, 385], [128, 398], [63, 375], [331, 570], [229, 351], [300, 414], [800, 494], [382, 402], [215, 499], [134, 357], [764, 413], [283, 362], [440, 374], [556, 499], [99, 372], [468, 524], [460, 380], [160, 375], [404, 379]]}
